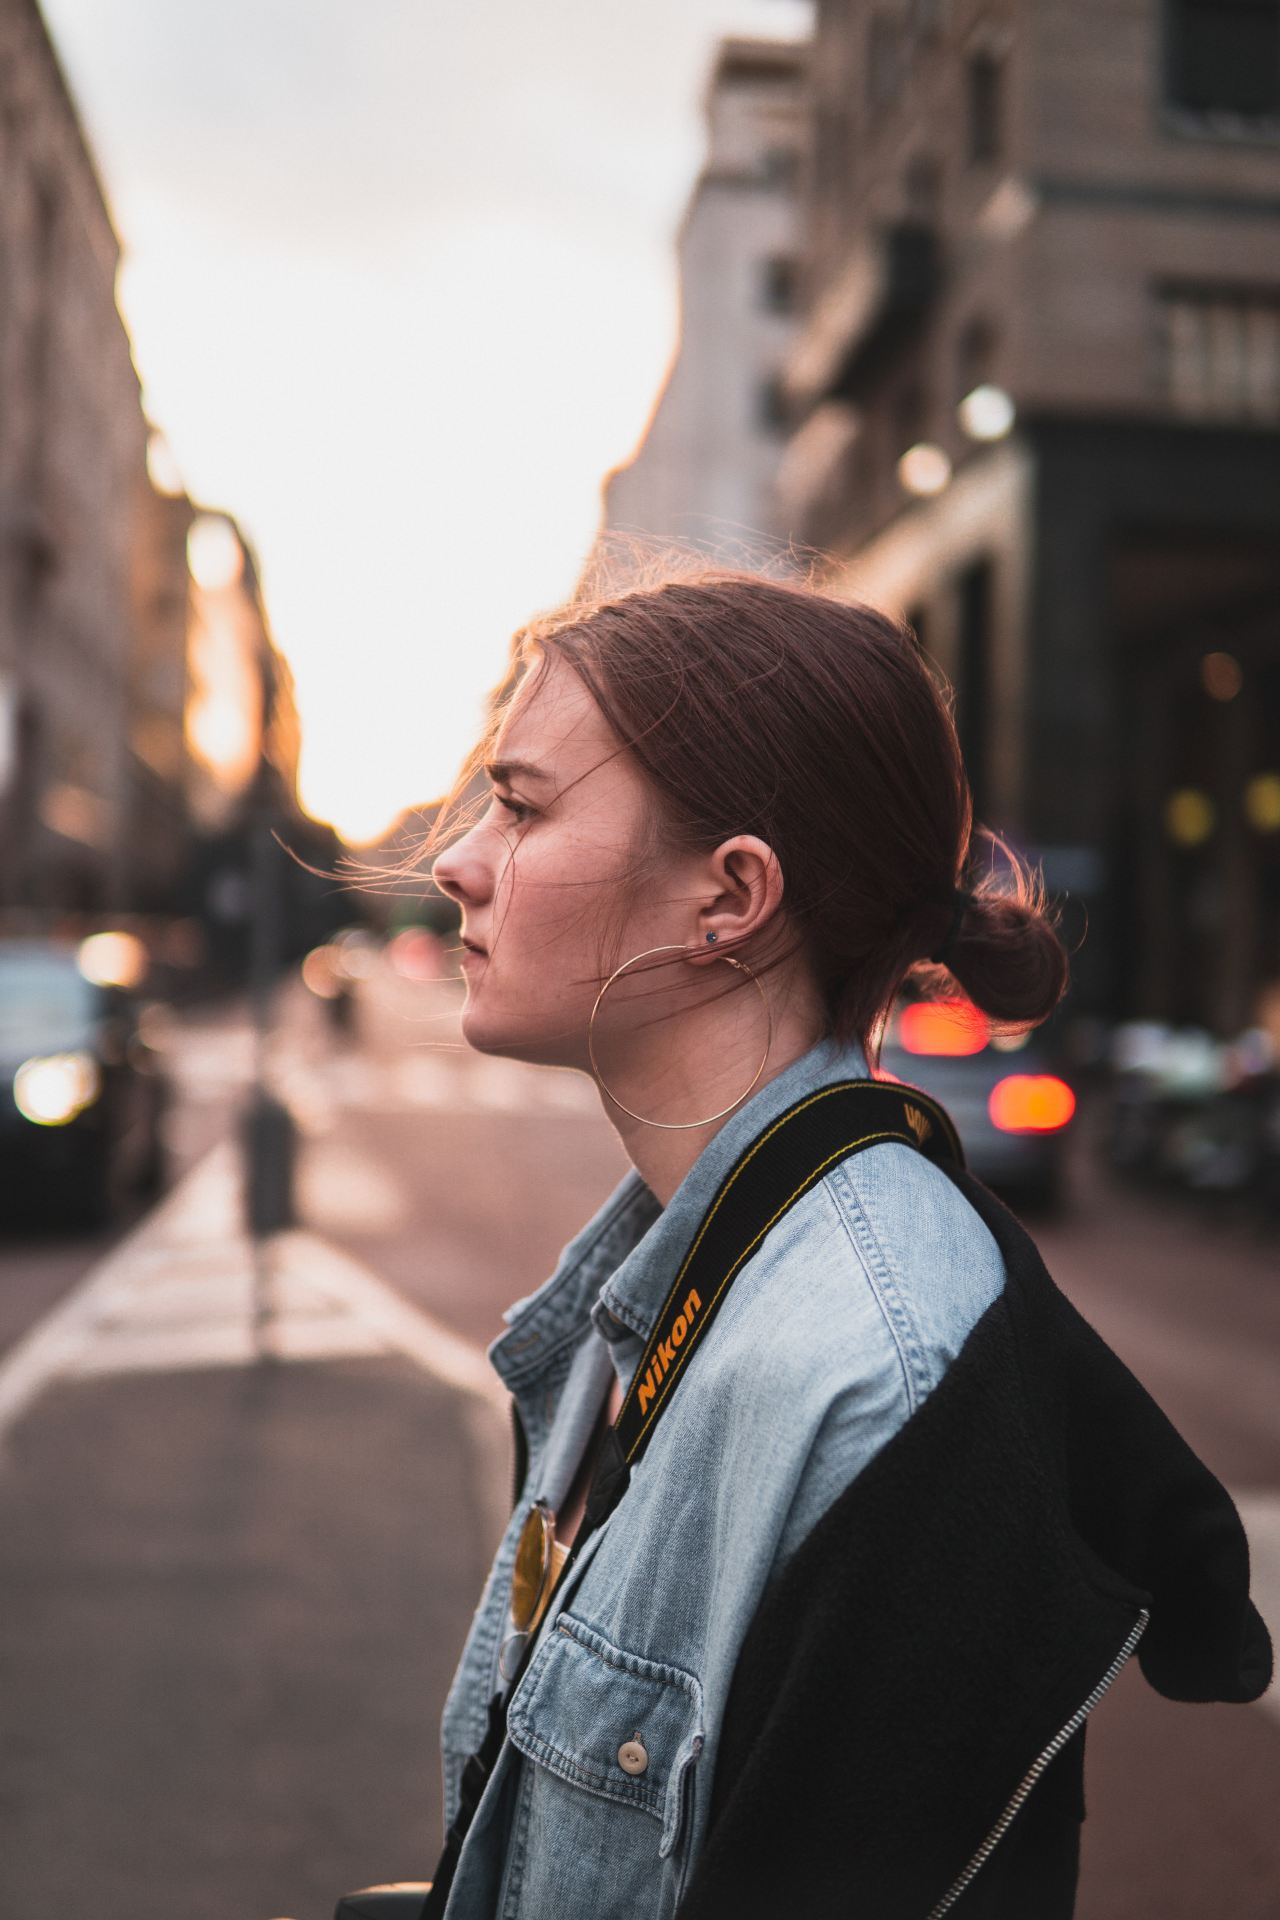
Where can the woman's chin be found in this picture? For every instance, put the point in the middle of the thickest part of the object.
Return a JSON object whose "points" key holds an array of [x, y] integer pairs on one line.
{"points": [[484, 1034], [476, 1030]]}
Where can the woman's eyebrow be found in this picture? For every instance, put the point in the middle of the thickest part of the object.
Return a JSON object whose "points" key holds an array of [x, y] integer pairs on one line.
{"points": [[503, 770]]}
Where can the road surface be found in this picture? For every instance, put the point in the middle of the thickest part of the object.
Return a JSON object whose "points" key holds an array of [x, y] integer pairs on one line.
{"points": [[245, 1506]]}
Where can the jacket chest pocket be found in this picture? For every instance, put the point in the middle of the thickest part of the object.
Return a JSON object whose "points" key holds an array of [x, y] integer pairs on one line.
{"points": [[614, 1740]]}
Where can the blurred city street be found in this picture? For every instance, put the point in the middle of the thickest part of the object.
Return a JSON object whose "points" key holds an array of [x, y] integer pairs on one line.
{"points": [[236, 1585]]}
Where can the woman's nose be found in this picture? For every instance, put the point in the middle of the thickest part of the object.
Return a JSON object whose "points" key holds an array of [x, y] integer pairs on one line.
{"points": [[460, 874]]}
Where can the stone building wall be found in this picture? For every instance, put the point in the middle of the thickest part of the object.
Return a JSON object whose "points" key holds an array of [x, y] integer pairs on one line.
{"points": [[705, 469], [1075, 204], [72, 473], [1101, 251]]}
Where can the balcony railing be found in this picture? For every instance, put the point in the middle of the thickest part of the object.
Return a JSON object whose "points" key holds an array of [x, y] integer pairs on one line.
{"points": [[870, 310]]}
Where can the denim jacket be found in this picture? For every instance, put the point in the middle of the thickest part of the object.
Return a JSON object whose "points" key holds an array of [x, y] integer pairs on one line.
{"points": [[832, 1333]]}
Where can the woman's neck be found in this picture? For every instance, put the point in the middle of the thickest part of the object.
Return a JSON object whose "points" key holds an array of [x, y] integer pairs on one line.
{"points": [[703, 1077]]}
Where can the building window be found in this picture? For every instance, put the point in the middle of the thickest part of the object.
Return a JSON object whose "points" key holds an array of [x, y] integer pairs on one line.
{"points": [[985, 79], [779, 283], [832, 152], [1223, 56], [927, 18], [922, 187], [972, 675], [1221, 352], [780, 166], [884, 62], [771, 405]]}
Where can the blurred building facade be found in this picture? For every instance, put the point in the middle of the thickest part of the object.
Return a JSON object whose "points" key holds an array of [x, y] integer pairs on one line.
{"points": [[704, 470], [159, 823], [72, 484], [1035, 405], [251, 844], [239, 709], [148, 729]]}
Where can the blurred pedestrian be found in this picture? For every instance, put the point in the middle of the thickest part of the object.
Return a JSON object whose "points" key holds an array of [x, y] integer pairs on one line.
{"points": [[340, 1006], [833, 1520]]}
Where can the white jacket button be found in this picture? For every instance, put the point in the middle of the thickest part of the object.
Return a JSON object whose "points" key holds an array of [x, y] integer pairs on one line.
{"points": [[632, 1757]]}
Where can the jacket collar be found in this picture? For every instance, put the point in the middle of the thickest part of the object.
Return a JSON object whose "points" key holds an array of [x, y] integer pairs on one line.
{"points": [[619, 1265], [546, 1322], [635, 1291]]}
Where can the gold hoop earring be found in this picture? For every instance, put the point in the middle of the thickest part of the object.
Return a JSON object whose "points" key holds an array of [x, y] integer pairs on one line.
{"points": [[676, 1125]]}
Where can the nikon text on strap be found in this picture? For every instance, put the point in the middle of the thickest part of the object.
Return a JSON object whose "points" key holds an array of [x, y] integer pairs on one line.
{"points": [[779, 1167]]}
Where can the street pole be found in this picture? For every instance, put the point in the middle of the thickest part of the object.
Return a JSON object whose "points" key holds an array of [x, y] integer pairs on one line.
{"points": [[268, 1133]]}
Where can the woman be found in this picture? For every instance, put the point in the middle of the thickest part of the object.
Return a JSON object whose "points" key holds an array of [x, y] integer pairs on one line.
{"points": [[721, 1707]]}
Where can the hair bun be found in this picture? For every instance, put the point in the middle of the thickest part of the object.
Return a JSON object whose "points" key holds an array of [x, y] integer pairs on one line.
{"points": [[1003, 946]]}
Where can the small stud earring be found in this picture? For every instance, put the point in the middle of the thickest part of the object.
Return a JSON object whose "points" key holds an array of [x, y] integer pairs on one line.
{"points": [[712, 938]]}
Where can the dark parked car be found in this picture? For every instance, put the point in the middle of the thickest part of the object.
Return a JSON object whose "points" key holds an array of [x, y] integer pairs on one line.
{"points": [[82, 1093], [1011, 1104]]}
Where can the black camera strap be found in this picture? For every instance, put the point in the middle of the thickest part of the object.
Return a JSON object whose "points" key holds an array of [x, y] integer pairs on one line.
{"points": [[779, 1167]]}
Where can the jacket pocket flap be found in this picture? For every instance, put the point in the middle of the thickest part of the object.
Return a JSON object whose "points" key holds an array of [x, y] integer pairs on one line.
{"points": [[585, 1706]]}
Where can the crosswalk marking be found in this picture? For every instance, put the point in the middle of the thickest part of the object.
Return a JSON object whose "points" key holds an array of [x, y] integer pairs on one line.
{"points": [[185, 1290], [435, 1080], [344, 1190]]}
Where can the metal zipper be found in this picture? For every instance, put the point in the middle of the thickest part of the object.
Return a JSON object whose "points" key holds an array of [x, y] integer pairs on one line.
{"points": [[1037, 1767]]}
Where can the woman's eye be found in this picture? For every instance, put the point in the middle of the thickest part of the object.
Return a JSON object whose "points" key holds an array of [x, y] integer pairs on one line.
{"points": [[515, 808]]}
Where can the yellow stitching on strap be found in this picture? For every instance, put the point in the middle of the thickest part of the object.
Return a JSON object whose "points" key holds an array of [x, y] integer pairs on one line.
{"points": [[838, 1086], [696, 1333]]}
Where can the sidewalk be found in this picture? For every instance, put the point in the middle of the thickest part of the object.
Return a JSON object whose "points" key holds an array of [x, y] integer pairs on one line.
{"points": [[239, 1552]]}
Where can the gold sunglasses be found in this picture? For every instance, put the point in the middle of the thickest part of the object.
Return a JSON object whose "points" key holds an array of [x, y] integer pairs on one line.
{"points": [[539, 1560]]}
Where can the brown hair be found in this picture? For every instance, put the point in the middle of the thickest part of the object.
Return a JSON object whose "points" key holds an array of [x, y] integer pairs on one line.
{"points": [[755, 706]]}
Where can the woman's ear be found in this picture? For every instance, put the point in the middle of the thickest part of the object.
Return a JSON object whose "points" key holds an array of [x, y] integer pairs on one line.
{"points": [[743, 893]]}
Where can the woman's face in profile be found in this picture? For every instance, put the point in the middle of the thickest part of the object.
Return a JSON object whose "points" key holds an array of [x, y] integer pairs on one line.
{"points": [[542, 878]]}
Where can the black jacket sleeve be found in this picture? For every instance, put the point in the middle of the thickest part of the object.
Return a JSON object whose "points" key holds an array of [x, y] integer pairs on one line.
{"points": [[904, 1730]]}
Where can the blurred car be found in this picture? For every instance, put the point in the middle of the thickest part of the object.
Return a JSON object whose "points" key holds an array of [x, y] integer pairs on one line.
{"points": [[1011, 1105], [1188, 1110], [82, 1092]]}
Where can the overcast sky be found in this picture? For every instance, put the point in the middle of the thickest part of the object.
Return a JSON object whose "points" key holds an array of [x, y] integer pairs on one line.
{"points": [[400, 285]]}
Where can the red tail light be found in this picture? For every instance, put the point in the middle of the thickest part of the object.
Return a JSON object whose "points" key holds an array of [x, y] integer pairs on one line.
{"points": [[1030, 1103], [942, 1026]]}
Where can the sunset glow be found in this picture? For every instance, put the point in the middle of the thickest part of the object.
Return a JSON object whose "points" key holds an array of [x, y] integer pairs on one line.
{"points": [[398, 307]]}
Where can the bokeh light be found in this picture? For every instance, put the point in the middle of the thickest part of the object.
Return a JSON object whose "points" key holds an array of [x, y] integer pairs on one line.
{"points": [[924, 469], [1189, 817], [1221, 676], [987, 413], [113, 959], [1262, 802]]}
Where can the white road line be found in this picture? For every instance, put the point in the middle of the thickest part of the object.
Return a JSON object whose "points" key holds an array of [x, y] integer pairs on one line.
{"points": [[428, 1083], [55, 1342], [405, 1328], [343, 1189], [181, 1291]]}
